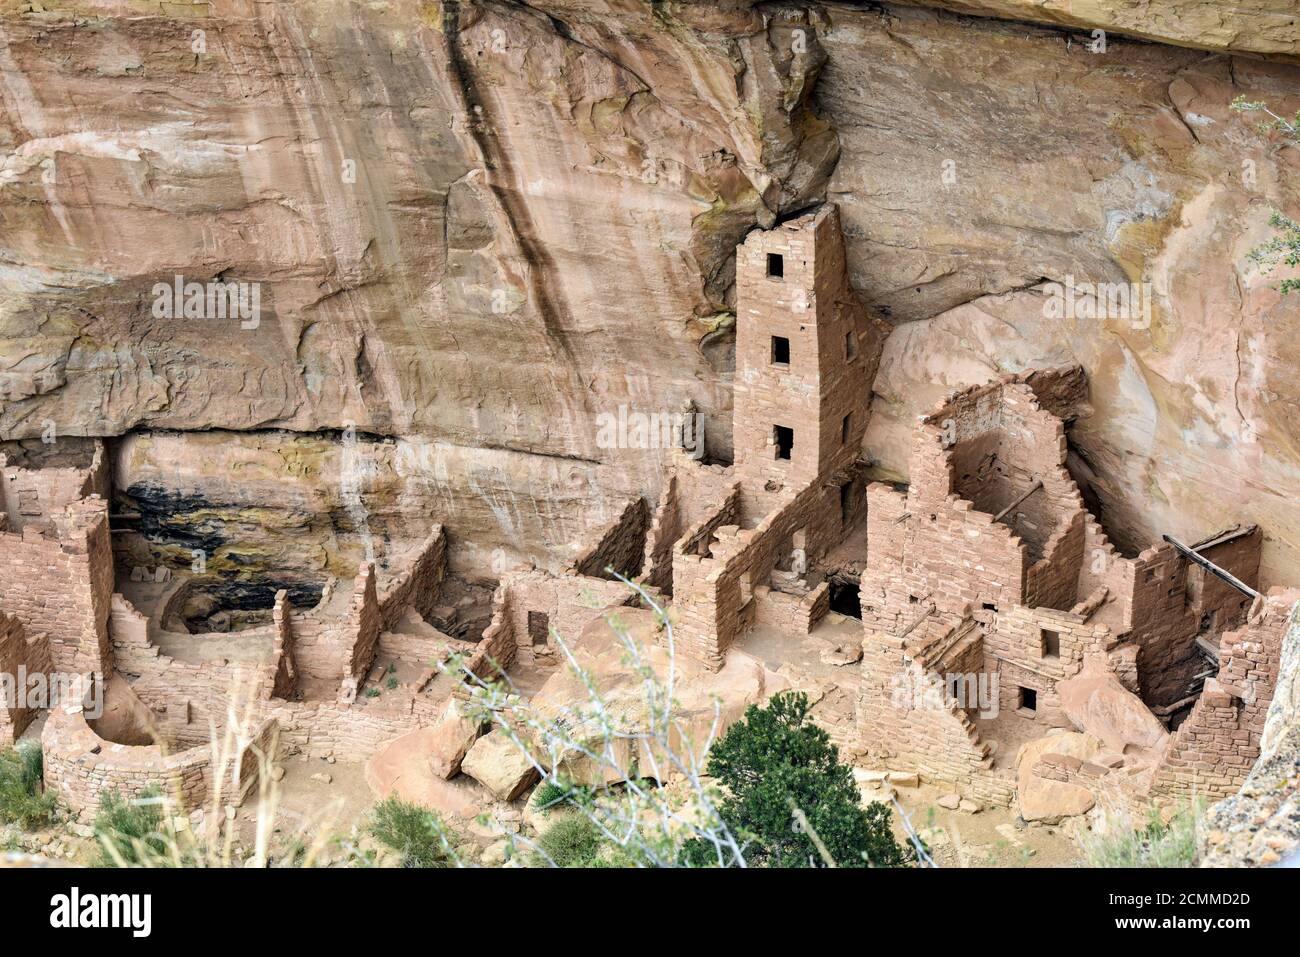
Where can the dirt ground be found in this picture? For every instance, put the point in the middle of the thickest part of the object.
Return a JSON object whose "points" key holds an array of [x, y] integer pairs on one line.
{"points": [[990, 837]]}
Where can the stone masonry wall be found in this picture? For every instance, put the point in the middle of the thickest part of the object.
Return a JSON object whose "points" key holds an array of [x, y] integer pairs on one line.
{"points": [[189, 699], [32, 493], [1169, 600], [419, 584], [360, 631], [80, 766], [665, 528], [59, 584], [1216, 746], [19, 656], [834, 348], [1014, 647], [620, 545], [905, 717], [562, 604]]}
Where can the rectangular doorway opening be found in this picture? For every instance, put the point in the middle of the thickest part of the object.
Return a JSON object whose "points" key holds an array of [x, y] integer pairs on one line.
{"points": [[775, 266], [539, 627], [845, 598], [783, 439]]}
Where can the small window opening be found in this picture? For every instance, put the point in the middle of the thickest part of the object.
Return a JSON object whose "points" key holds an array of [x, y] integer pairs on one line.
{"points": [[846, 428], [846, 502], [775, 265], [780, 351], [784, 440], [850, 344], [1027, 699], [1051, 644]]}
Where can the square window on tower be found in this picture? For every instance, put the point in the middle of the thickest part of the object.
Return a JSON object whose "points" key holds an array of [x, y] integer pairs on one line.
{"points": [[775, 266], [780, 351]]}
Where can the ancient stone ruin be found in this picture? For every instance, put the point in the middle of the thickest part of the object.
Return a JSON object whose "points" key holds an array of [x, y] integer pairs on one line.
{"points": [[975, 629]]}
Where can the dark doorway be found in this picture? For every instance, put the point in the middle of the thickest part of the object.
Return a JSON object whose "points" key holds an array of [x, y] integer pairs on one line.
{"points": [[539, 626], [845, 599], [775, 265]]}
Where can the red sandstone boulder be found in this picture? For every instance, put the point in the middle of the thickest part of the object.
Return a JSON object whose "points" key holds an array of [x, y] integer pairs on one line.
{"points": [[1045, 799], [451, 739], [500, 765], [1096, 702]]}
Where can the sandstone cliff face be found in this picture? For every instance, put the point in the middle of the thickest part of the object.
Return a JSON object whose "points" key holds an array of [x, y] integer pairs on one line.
{"points": [[477, 228], [1269, 27]]}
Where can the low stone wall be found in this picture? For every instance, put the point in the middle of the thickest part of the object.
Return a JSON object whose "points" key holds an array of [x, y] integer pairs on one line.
{"points": [[419, 584], [620, 545], [58, 583], [537, 603], [1257, 826], [792, 614], [665, 529], [189, 699], [904, 715], [1215, 747], [20, 656], [80, 766]]}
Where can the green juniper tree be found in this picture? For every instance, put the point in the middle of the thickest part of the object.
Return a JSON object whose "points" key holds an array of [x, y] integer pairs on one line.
{"points": [[790, 796]]}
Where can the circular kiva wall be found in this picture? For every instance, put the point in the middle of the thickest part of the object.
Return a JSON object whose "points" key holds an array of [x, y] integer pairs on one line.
{"points": [[80, 766]]}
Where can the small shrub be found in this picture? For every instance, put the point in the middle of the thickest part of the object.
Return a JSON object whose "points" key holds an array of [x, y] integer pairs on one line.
{"points": [[571, 842], [372, 692], [1283, 249], [130, 831], [1156, 844], [391, 683], [23, 800], [416, 834], [552, 793]]}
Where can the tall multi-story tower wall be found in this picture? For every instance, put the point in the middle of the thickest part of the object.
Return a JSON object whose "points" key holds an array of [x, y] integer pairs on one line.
{"points": [[806, 355]]}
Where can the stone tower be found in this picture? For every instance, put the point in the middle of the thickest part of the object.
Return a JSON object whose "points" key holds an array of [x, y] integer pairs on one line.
{"points": [[805, 356]]}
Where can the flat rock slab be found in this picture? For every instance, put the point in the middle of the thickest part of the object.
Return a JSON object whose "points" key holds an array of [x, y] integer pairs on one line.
{"points": [[401, 769]]}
